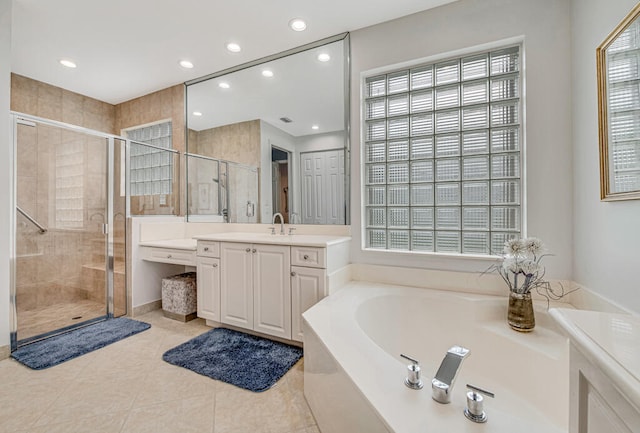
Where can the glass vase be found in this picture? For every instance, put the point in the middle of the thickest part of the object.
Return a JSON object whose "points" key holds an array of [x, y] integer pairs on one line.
{"points": [[520, 315]]}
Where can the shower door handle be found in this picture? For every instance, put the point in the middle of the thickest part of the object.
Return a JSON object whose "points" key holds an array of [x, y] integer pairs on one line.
{"points": [[105, 229]]}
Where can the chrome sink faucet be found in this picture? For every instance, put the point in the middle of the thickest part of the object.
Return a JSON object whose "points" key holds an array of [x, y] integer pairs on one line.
{"points": [[442, 384], [281, 221]]}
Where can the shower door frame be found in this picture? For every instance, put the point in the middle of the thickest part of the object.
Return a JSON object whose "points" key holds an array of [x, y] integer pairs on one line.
{"points": [[26, 119]]}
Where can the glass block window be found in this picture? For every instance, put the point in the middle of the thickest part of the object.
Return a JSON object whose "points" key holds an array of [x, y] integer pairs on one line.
{"points": [[151, 168], [442, 145], [69, 184]]}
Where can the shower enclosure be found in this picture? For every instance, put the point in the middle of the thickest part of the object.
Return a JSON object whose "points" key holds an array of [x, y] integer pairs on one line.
{"points": [[68, 261], [221, 191]]}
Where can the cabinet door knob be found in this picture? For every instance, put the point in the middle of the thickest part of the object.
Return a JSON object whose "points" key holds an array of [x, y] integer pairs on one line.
{"points": [[215, 265], [248, 250], [293, 274], [168, 256], [306, 257], [206, 248], [254, 250]]}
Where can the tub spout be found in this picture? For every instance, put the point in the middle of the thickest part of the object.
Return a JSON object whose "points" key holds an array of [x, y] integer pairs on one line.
{"points": [[442, 383]]}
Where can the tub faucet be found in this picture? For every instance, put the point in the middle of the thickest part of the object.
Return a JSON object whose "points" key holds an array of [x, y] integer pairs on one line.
{"points": [[281, 221], [442, 384]]}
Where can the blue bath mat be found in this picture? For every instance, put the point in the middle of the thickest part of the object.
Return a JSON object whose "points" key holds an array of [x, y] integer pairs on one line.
{"points": [[237, 358], [56, 350]]}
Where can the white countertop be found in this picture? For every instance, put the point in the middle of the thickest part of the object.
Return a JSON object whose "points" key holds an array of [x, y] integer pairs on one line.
{"points": [[610, 341], [265, 238], [177, 244]]}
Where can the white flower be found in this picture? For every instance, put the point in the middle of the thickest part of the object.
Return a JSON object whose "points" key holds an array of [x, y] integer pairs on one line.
{"points": [[529, 267], [533, 245], [510, 265], [514, 247]]}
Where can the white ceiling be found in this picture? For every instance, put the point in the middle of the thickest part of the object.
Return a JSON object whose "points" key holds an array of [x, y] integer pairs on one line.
{"points": [[303, 89], [129, 48]]}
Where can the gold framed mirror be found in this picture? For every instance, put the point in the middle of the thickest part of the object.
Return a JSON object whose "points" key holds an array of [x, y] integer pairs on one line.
{"points": [[618, 67]]}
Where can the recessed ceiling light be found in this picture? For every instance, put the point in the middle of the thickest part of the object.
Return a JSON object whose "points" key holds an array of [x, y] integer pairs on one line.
{"points": [[197, 113], [224, 85], [324, 57], [67, 63], [233, 47], [297, 24], [267, 73], [314, 127], [186, 64]]}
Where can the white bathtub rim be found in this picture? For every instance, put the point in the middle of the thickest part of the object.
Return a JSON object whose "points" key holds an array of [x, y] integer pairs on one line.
{"points": [[334, 322]]}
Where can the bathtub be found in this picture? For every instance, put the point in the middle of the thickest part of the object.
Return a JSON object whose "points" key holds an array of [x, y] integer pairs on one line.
{"points": [[354, 376]]}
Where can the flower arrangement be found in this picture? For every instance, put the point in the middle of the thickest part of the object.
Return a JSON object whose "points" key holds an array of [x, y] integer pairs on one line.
{"points": [[522, 268]]}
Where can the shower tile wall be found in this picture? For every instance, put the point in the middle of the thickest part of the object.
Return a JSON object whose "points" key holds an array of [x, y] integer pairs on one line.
{"points": [[52, 267], [238, 142], [61, 266], [43, 100]]}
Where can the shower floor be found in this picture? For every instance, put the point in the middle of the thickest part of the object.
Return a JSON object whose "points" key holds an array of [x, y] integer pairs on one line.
{"points": [[46, 319]]}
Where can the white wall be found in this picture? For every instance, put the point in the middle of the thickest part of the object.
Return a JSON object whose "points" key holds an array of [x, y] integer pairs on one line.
{"points": [[6, 144], [146, 277], [544, 24], [606, 234], [318, 142]]}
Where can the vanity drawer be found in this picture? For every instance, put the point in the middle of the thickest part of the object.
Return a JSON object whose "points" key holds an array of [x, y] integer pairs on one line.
{"points": [[169, 255], [308, 256], [209, 249]]}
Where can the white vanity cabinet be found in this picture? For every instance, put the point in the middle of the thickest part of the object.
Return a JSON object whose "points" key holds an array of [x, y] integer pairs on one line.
{"points": [[265, 282], [308, 283], [208, 280], [255, 287]]}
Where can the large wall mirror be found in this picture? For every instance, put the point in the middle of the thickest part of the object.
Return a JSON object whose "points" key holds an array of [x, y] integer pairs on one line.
{"points": [[272, 136], [618, 60]]}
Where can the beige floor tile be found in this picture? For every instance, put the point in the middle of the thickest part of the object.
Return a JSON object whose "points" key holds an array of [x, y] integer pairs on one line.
{"points": [[169, 383], [55, 316], [93, 396], [189, 415], [127, 387], [22, 405], [106, 423], [273, 411]]}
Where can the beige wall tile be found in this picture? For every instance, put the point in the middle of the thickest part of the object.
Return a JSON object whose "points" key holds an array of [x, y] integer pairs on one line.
{"points": [[239, 142], [43, 100]]}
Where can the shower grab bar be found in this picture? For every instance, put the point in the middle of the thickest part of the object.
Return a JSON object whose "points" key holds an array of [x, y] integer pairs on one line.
{"points": [[30, 218]]}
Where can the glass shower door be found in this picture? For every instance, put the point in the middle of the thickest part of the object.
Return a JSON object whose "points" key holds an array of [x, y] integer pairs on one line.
{"points": [[61, 215]]}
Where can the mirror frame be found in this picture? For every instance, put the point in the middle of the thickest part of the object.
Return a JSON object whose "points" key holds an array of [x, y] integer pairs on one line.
{"points": [[603, 108], [345, 37]]}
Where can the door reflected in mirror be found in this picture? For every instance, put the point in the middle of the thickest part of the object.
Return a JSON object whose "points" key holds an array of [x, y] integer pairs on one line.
{"points": [[618, 60], [271, 137]]}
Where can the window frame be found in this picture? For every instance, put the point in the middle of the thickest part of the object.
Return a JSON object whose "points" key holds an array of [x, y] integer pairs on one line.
{"points": [[457, 55]]}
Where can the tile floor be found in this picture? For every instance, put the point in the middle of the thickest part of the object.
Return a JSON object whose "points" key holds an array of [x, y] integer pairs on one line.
{"points": [[126, 387], [45, 319]]}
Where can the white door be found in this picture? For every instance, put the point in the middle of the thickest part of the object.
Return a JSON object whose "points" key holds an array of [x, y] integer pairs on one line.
{"points": [[308, 286], [208, 288], [236, 284], [272, 290], [323, 187]]}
